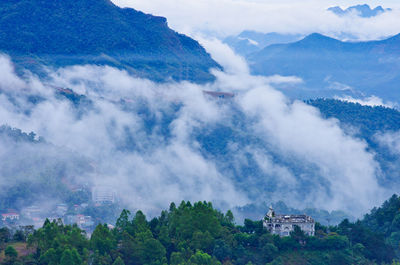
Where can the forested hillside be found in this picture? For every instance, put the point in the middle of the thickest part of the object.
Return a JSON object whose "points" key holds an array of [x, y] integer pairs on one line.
{"points": [[371, 124], [370, 120], [99, 32], [386, 220], [195, 234]]}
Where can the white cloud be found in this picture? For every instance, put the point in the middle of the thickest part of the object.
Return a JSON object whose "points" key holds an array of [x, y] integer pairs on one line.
{"points": [[368, 101], [160, 167], [8, 79], [227, 17], [390, 140]]}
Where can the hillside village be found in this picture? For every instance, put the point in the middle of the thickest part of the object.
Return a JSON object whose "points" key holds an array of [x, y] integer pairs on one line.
{"points": [[36, 214]]}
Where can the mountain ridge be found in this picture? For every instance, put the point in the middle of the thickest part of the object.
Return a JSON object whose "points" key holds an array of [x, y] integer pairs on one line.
{"points": [[370, 67], [361, 10], [105, 33]]}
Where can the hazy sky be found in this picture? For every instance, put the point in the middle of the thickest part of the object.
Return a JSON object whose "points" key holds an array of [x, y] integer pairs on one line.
{"points": [[226, 17]]}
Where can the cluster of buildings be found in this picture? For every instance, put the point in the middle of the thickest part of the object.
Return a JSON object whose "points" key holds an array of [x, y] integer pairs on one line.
{"points": [[283, 225], [36, 215], [10, 217], [69, 214], [103, 195]]}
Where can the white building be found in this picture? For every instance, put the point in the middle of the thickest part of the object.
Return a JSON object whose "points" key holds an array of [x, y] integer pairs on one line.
{"points": [[10, 216], [32, 212], [282, 225], [61, 209], [103, 195]]}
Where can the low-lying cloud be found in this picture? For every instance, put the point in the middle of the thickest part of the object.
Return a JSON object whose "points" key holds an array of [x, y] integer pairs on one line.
{"points": [[158, 143], [372, 101], [229, 17]]}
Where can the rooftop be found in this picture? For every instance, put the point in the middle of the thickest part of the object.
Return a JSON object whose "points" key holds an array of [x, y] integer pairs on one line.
{"points": [[293, 218]]}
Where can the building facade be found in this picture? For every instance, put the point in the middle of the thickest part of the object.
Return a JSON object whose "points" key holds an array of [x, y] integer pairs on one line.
{"points": [[10, 216], [103, 195], [282, 225]]}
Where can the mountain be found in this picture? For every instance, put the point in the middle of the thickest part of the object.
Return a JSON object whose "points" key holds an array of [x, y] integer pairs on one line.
{"points": [[248, 41], [361, 10], [60, 33], [331, 67], [369, 124]]}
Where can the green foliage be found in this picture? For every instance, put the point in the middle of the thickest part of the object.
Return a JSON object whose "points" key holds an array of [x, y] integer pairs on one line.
{"points": [[177, 258], [198, 234], [5, 235], [10, 252], [73, 33], [201, 258], [118, 261], [70, 257], [102, 240], [54, 241]]}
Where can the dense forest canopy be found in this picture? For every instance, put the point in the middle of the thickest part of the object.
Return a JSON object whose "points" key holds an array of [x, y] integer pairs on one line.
{"points": [[199, 234], [99, 32]]}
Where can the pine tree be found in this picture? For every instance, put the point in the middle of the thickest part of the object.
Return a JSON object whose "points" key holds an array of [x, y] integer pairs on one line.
{"points": [[118, 261]]}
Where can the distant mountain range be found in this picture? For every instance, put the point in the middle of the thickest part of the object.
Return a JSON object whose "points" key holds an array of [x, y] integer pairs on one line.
{"points": [[60, 33], [361, 10], [331, 67], [249, 41]]}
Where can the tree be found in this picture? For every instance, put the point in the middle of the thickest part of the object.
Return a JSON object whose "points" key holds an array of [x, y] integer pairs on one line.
{"points": [[202, 241], [123, 221], [177, 258], [19, 236], [5, 235], [221, 250], [75, 256], [118, 261], [11, 253], [67, 258], [269, 252], [151, 251], [139, 223], [298, 234], [201, 258], [50, 257], [229, 218], [102, 240], [99, 259]]}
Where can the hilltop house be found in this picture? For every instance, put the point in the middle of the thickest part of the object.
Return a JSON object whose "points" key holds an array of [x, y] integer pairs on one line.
{"points": [[10, 216], [282, 225], [103, 195]]}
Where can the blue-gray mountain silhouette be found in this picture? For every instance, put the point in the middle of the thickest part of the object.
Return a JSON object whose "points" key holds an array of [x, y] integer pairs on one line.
{"points": [[249, 41], [362, 10], [372, 68], [65, 32]]}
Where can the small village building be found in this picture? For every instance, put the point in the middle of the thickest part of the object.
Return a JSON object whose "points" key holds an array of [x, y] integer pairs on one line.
{"points": [[103, 195], [61, 209], [219, 95], [10, 216], [282, 225], [32, 212], [83, 221]]}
